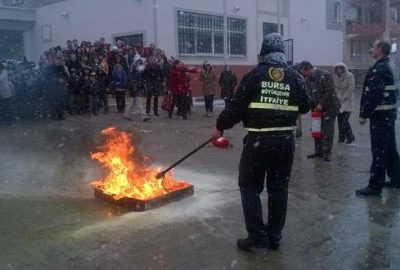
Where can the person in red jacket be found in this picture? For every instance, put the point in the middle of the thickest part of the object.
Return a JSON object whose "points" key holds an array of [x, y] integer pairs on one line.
{"points": [[178, 85]]}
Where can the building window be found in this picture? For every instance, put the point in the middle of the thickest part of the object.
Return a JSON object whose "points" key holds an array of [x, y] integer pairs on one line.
{"points": [[337, 12], [46, 34], [134, 39], [203, 34], [237, 36], [355, 49], [272, 28], [393, 15], [373, 15], [200, 34]]}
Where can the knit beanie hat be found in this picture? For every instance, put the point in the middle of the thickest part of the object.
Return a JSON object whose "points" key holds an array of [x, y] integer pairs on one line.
{"points": [[272, 42]]}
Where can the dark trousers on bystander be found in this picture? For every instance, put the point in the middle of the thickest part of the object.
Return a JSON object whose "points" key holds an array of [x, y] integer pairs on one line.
{"points": [[323, 145], [181, 101], [209, 103], [120, 99], [345, 131]]}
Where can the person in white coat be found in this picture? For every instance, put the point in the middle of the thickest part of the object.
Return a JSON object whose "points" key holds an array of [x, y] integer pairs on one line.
{"points": [[345, 85], [6, 94]]}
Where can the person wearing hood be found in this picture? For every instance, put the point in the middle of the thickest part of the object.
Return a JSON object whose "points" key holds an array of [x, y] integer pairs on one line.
{"points": [[268, 101], [208, 85], [345, 84]]}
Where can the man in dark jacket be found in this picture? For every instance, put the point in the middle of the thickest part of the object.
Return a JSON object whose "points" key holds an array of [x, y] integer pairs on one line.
{"points": [[228, 82], [153, 76], [103, 83], [267, 101], [119, 79], [321, 87], [55, 85], [379, 105]]}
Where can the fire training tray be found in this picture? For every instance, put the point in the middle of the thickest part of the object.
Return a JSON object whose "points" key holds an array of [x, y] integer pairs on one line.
{"points": [[144, 205]]}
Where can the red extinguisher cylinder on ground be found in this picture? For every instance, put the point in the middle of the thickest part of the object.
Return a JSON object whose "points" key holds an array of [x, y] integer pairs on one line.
{"points": [[316, 125]]}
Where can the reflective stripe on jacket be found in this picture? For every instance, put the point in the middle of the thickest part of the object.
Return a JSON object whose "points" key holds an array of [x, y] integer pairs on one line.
{"points": [[381, 89]]}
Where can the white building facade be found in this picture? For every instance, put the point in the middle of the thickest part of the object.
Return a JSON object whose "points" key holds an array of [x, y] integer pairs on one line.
{"points": [[194, 30]]}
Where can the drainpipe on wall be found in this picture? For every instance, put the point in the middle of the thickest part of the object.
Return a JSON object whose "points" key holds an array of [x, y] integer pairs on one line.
{"points": [[155, 22], [278, 16], [257, 26], [226, 55], [386, 34]]}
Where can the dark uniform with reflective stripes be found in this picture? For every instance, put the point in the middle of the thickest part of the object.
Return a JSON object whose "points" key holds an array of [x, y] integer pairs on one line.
{"points": [[268, 101], [379, 104]]}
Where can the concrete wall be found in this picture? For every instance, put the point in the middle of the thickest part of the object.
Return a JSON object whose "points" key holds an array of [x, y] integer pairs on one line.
{"points": [[30, 45], [312, 40], [92, 19]]}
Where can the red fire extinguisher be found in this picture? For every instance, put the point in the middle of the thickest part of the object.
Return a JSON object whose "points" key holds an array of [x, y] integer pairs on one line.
{"points": [[316, 125]]}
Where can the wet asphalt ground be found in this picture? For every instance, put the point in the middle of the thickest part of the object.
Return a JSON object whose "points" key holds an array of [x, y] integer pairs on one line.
{"points": [[50, 220]]}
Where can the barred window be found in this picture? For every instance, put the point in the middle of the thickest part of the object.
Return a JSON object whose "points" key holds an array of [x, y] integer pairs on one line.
{"points": [[202, 34], [237, 36], [271, 28]]}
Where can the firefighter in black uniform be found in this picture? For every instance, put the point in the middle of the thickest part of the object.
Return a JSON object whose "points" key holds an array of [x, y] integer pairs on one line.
{"points": [[268, 101], [379, 105]]}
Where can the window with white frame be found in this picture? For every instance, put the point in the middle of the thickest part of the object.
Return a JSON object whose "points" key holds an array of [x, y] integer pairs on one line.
{"points": [[272, 28], [203, 35], [337, 12], [237, 36]]}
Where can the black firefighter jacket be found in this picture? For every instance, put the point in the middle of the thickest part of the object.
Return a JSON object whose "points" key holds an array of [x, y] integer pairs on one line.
{"points": [[380, 91], [269, 98]]}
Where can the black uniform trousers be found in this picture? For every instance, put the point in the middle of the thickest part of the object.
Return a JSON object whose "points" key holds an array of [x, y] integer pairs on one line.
{"points": [[385, 158], [265, 154], [324, 144], [345, 131]]}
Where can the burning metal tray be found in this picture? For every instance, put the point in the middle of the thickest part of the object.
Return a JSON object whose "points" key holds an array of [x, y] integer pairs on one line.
{"points": [[144, 205]]}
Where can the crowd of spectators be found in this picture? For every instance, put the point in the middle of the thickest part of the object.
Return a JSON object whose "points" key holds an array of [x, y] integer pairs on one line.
{"points": [[79, 78]]}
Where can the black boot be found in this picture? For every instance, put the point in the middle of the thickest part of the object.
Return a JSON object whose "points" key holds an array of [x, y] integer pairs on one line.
{"points": [[367, 191], [273, 243], [391, 185], [315, 155], [350, 140], [328, 157], [247, 244]]}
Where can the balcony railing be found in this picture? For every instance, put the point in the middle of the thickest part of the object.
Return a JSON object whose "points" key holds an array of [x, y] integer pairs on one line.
{"points": [[365, 29], [371, 29]]}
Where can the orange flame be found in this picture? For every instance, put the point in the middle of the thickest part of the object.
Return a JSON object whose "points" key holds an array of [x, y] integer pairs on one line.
{"points": [[127, 176]]}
